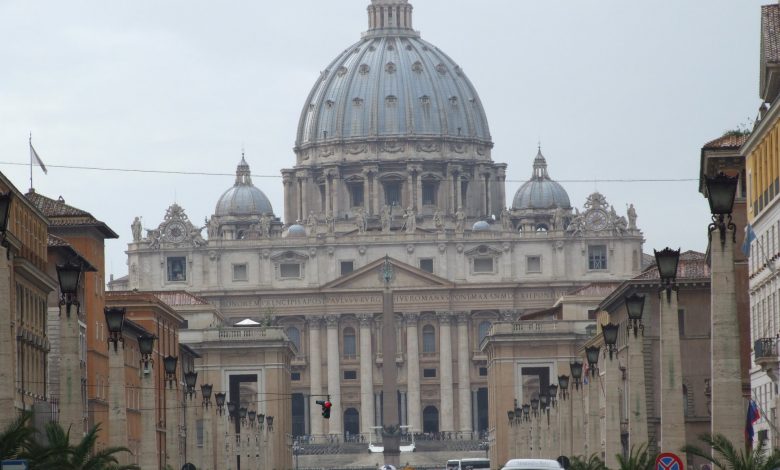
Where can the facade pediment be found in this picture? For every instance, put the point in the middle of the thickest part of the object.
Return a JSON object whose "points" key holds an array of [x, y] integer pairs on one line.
{"points": [[483, 250], [290, 256], [370, 277]]}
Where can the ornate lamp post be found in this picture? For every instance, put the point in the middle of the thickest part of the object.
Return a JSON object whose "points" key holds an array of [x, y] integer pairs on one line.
{"points": [[115, 319], [69, 275], [610, 333], [242, 415], [252, 415], [635, 306], [190, 378], [592, 354], [576, 372], [269, 422], [205, 393], [563, 385], [553, 393], [526, 412], [169, 362], [232, 412], [535, 406], [261, 420], [728, 412], [219, 399], [146, 348], [667, 261]]}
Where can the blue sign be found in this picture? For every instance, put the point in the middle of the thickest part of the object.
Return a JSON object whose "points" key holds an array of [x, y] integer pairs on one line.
{"points": [[14, 465], [668, 461]]}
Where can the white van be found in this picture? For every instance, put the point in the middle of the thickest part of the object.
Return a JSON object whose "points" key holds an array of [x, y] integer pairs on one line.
{"points": [[468, 464], [532, 464]]}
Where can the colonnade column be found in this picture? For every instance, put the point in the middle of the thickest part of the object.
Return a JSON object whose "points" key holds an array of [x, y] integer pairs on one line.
{"points": [[413, 372], [612, 379], [366, 375], [334, 374], [447, 411], [593, 428], [7, 340], [71, 407], [672, 420], [464, 379], [577, 412], [117, 409], [637, 402], [315, 373], [149, 457]]}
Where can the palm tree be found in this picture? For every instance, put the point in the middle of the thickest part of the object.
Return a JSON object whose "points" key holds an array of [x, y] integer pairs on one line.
{"points": [[638, 459], [578, 462], [727, 457], [14, 437], [59, 454]]}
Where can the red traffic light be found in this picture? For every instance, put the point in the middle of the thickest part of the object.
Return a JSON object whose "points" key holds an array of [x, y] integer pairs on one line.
{"points": [[326, 405]]}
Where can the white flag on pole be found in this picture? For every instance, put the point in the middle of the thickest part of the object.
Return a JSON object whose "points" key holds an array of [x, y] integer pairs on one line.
{"points": [[34, 156]]}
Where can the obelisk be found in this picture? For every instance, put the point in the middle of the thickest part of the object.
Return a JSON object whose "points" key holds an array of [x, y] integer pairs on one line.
{"points": [[391, 432]]}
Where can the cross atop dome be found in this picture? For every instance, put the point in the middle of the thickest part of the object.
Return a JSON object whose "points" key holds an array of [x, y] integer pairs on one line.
{"points": [[389, 16]]}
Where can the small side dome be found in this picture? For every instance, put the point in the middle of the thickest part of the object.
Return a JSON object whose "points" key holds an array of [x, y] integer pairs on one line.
{"points": [[480, 226], [541, 192], [296, 230], [243, 198]]}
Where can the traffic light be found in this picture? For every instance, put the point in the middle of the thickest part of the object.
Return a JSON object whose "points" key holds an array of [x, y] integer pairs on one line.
{"points": [[325, 404]]}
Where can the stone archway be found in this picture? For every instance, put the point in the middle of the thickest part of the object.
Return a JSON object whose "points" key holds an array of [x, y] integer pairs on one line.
{"points": [[351, 422], [430, 419]]}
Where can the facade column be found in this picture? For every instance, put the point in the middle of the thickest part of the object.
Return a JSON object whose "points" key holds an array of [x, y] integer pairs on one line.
{"points": [[593, 426], [328, 186], [117, 406], [220, 440], [403, 409], [446, 410], [7, 342], [173, 399], [413, 372], [289, 199], [577, 411], [366, 193], [366, 375], [458, 192], [474, 411], [501, 180], [464, 371], [612, 379], [207, 455], [315, 374], [565, 420], [378, 411], [376, 188], [419, 191], [334, 374], [637, 401], [488, 196], [409, 187], [672, 417], [335, 186], [728, 405], [71, 407], [149, 457]]}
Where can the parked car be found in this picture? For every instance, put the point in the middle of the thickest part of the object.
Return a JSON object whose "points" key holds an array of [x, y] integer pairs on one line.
{"points": [[532, 464]]}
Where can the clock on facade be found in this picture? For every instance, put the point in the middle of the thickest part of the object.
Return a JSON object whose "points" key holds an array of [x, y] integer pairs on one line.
{"points": [[175, 232], [596, 220]]}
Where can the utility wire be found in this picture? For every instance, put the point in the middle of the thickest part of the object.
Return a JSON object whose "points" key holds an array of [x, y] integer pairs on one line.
{"points": [[206, 173]]}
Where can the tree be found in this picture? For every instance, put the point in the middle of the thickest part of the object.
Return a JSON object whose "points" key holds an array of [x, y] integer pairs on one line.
{"points": [[59, 454], [727, 457], [638, 459], [578, 462], [15, 436]]}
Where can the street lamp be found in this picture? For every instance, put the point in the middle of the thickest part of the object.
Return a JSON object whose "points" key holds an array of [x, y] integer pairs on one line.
{"points": [[544, 403], [269, 421], [205, 392], [721, 190], [170, 369], [592, 354], [219, 398], [115, 319], [526, 412], [535, 406], [553, 392], [146, 347], [261, 420], [667, 261], [69, 275], [231, 408], [252, 415], [563, 385], [190, 378], [576, 372], [635, 306], [5, 213], [610, 332], [242, 415]]}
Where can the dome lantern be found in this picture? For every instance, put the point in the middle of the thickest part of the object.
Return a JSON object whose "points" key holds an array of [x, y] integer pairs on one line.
{"points": [[389, 16], [243, 199], [540, 192]]}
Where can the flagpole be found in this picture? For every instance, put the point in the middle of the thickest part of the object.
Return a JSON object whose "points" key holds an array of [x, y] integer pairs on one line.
{"points": [[31, 162]]}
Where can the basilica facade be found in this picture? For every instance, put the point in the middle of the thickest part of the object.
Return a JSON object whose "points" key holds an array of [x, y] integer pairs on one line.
{"points": [[392, 158]]}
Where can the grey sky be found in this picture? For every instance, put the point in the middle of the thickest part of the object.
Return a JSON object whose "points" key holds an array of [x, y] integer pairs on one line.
{"points": [[614, 89]]}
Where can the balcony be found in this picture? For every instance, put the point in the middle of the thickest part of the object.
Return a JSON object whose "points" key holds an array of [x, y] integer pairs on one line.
{"points": [[765, 351]]}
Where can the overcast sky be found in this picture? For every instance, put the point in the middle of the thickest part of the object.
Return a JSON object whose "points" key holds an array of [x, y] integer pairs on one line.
{"points": [[614, 89]]}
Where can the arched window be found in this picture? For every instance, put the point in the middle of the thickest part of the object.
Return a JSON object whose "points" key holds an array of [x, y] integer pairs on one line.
{"points": [[484, 329], [430, 419], [429, 339], [349, 342], [295, 336]]}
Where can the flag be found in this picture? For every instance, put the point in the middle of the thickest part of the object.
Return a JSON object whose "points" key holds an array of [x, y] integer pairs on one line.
{"points": [[34, 156], [753, 415], [750, 235]]}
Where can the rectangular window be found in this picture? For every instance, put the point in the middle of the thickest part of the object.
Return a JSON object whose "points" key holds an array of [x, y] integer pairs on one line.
{"points": [[177, 268], [428, 193], [681, 321], [290, 270], [533, 264], [597, 257], [429, 373], [426, 264], [239, 272], [483, 265], [350, 375], [483, 371], [199, 432], [393, 194], [295, 376], [356, 193], [347, 267]]}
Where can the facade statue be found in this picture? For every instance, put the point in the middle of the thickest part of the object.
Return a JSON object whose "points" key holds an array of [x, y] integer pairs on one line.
{"points": [[265, 226], [460, 220], [195, 237], [155, 238], [631, 217], [558, 219], [312, 223], [506, 221], [387, 218], [411, 220], [212, 228], [136, 228], [438, 221], [330, 222], [577, 224], [361, 221]]}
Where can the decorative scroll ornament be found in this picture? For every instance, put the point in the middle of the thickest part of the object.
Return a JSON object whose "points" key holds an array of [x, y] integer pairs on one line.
{"points": [[175, 229]]}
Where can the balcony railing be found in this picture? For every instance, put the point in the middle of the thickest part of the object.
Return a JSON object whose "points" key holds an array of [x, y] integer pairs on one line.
{"points": [[765, 348]]}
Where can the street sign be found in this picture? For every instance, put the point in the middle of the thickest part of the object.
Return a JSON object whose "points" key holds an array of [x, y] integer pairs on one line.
{"points": [[14, 465], [668, 461]]}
